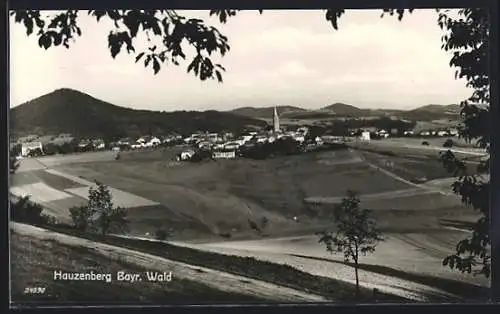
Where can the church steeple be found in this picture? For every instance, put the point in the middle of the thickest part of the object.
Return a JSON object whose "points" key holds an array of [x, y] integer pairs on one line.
{"points": [[276, 120]]}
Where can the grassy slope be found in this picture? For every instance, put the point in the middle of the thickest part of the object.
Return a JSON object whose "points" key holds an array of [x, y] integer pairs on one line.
{"points": [[33, 262], [283, 275], [223, 195]]}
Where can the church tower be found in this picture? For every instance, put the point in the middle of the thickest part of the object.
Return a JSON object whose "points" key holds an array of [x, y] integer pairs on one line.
{"points": [[276, 120]]}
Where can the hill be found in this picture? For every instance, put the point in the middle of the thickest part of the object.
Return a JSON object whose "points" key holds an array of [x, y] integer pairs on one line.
{"points": [[71, 111], [266, 112], [345, 110], [341, 110]]}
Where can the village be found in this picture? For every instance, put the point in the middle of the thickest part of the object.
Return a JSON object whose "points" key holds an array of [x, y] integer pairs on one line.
{"points": [[223, 145]]}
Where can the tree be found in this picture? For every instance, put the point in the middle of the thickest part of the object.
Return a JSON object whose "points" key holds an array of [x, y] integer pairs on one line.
{"points": [[466, 35], [356, 232], [27, 211], [99, 214], [161, 235], [468, 38], [448, 143], [13, 162]]}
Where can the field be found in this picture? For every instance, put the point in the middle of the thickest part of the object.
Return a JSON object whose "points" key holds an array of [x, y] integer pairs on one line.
{"points": [[207, 199], [220, 207]]}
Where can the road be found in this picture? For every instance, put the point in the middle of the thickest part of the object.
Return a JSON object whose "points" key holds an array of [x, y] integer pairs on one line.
{"points": [[215, 279]]}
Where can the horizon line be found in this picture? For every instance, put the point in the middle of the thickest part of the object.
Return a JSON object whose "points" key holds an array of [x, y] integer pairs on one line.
{"points": [[234, 108]]}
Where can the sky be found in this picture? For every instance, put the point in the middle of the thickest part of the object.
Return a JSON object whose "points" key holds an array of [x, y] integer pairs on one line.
{"points": [[282, 57]]}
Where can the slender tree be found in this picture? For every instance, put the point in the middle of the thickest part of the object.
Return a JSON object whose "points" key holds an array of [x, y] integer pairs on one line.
{"points": [[356, 233]]}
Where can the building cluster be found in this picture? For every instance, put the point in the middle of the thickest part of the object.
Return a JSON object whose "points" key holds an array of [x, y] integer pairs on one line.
{"points": [[225, 145], [439, 133], [220, 145]]}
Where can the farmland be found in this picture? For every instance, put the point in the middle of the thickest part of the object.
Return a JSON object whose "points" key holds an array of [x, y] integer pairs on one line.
{"points": [[209, 206], [211, 198]]}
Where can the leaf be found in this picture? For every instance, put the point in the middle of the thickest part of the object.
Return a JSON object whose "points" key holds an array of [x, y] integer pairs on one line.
{"points": [[45, 41], [219, 76], [156, 65], [139, 56], [114, 44], [28, 23]]}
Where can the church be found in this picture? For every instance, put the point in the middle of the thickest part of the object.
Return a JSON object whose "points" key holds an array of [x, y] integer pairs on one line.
{"points": [[276, 121]]}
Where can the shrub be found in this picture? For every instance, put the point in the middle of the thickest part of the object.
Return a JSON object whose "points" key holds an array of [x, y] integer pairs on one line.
{"points": [[448, 143], [201, 155], [161, 235], [99, 214], [81, 217], [264, 222], [51, 149], [35, 152], [25, 210]]}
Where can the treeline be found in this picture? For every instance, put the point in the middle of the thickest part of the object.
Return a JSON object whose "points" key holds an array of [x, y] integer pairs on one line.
{"points": [[343, 128], [284, 147]]}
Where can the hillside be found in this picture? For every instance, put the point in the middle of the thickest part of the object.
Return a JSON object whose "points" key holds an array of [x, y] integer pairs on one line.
{"points": [[423, 113], [449, 109], [266, 112], [71, 111], [345, 110]]}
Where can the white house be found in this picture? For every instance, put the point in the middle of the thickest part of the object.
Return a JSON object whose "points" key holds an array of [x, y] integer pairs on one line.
{"points": [[319, 141], [232, 145], [299, 139], [99, 144], [383, 133], [186, 155], [138, 144], [26, 148], [154, 141], [365, 136], [224, 154]]}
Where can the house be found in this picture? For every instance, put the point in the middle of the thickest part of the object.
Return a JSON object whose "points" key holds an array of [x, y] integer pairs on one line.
{"points": [[124, 143], [186, 155], [365, 136], [319, 141], [99, 144], [26, 148], [138, 144], [382, 133], [246, 138], [302, 131], [85, 145], [224, 154], [232, 145], [153, 142]]}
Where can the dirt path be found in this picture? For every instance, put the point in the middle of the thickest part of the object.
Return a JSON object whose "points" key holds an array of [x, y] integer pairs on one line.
{"points": [[216, 279]]}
